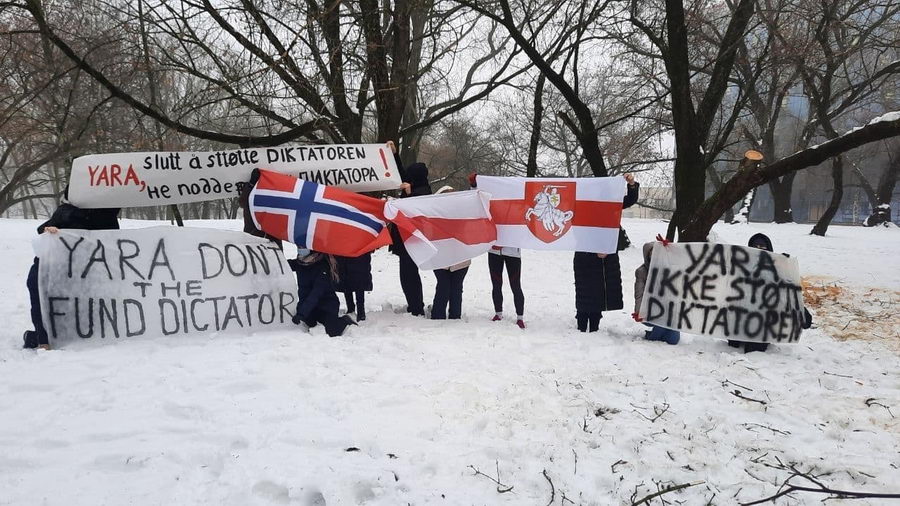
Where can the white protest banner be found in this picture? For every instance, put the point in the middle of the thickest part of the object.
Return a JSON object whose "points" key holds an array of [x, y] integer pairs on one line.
{"points": [[723, 290], [161, 281], [152, 179]]}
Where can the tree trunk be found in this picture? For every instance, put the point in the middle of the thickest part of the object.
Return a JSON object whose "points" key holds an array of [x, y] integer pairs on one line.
{"points": [[743, 181], [881, 208], [837, 174], [410, 143], [743, 215], [782, 189], [531, 168]]}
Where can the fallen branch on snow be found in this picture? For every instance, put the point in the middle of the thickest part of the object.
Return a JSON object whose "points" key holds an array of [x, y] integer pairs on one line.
{"points": [[820, 488], [737, 393], [501, 488], [673, 488], [552, 488]]}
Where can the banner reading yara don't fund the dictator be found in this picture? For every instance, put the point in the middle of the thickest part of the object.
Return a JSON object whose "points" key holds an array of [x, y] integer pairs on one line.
{"points": [[724, 290], [161, 281], [160, 178]]}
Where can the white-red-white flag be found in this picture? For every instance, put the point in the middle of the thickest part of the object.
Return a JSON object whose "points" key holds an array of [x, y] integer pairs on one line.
{"points": [[567, 214], [443, 230]]}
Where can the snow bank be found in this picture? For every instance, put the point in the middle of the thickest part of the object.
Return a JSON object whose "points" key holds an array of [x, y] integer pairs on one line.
{"points": [[269, 418]]}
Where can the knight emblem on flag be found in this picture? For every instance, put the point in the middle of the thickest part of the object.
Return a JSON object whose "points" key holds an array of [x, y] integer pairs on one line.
{"points": [[553, 208], [321, 218]]}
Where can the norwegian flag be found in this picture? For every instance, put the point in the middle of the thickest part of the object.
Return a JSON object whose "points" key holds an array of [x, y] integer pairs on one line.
{"points": [[322, 218]]}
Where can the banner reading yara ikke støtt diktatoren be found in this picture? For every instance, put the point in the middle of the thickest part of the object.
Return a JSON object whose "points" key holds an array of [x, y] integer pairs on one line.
{"points": [[161, 281], [150, 179], [724, 290]]}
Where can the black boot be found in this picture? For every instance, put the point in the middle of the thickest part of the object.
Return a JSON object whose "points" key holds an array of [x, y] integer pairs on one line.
{"points": [[31, 339], [348, 298], [582, 323], [360, 306], [594, 323]]}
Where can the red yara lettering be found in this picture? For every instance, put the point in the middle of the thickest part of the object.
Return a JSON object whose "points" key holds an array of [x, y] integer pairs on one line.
{"points": [[111, 176], [132, 176]]}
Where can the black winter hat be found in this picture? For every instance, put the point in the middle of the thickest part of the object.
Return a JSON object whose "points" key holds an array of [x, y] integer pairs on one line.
{"points": [[761, 241]]}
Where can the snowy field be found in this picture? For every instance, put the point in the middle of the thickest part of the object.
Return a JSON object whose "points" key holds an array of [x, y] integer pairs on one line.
{"points": [[403, 410]]}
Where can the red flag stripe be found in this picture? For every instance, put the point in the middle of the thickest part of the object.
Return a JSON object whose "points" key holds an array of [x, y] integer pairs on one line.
{"points": [[467, 231], [588, 213], [269, 180]]}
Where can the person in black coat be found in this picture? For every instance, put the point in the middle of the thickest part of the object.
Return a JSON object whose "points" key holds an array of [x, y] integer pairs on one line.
{"points": [[65, 216], [415, 183], [762, 241], [317, 302], [598, 277], [355, 278]]}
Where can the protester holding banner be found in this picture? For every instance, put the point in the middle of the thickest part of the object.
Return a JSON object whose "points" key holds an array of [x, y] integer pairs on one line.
{"points": [[598, 277], [354, 280], [415, 183], [449, 289], [656, 333], [317, 302], [65, 216], [762, 241], [499, 256]]}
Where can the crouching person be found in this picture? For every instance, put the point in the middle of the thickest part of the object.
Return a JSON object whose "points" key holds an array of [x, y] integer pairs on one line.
{"points": [[656, 333], [762, 241], [65, 216], [317, 302]]}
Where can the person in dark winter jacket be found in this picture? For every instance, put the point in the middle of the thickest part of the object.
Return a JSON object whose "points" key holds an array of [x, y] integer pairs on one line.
{"points": [[317, 302], [65, 216], [415, 183], [656, 333], [598, 277], [355, 279], [762, 241]]}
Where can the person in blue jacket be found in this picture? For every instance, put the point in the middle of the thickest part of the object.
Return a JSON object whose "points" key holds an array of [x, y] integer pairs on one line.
{"points": [[317, 302]]}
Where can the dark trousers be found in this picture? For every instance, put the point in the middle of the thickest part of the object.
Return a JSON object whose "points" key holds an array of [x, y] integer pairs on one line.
{"points": [[448, 292], [334, 324], [514, 270], [40, 334], [588, 322], [359, 307], [411, 284]]}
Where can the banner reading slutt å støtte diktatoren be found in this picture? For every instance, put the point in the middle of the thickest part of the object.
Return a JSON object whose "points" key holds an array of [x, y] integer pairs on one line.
{"points": [[161, 178]]}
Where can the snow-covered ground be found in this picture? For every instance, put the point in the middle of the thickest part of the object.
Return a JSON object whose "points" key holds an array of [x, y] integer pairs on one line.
{"points": [[404, 410]]}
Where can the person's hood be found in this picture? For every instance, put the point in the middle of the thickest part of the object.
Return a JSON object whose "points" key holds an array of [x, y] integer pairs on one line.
{"points": [[417, 175], [761, 238], [648, 250]]}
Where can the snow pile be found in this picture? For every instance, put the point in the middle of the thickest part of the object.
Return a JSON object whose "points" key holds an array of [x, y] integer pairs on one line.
{"points": [[405, 410]]}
